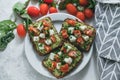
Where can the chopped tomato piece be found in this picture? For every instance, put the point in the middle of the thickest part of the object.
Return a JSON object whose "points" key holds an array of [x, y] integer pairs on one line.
{"points": [[47, 48], [77, 32], [80, 40], [64, 49], [72, 54], [53, 38], [32, 29], [64, 33], [54, 64], [64, 68], [56, 57], [46, 28], [41, 40], [45, 23], [88, 32], [71, 22]]}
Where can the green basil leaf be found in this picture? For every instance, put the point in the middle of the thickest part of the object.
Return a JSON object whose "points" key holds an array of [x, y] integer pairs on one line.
{"points": [[5, 40], [6, 33], [7, 25], [92, 4], [20, 7], [26, 16]]}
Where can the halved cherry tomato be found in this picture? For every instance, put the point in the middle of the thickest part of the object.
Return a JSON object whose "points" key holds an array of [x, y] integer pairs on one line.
{"points": [[44, 8], [77, 32], [72, 53], [52, 10], [80, 40], [32, 29], [33, 11], [21, 30], [53, 38], [56, 57], [64, 33], [64, 68], [89, 32], [47, 48], [54, 64], [71, 22]]}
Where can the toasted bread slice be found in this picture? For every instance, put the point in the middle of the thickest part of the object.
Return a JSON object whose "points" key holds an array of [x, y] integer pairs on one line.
{"points": [[78, 33], [44, 36], [63, 60]]}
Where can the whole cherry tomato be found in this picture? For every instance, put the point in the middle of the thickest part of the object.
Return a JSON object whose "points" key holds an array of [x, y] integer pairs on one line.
{"points": [[21, 30], [33, 11], [44, 8], [81, 16], [71, 9], [88, 13], [83, 2], [53, 10], [48, 1]]}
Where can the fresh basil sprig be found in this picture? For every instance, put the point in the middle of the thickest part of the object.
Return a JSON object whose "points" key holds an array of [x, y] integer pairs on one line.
{"points": [[92, 4], [20, 9], [6, 33]]}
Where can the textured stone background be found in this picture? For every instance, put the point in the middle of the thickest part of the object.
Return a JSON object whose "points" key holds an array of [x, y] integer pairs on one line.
{"points": [[13, 62]]}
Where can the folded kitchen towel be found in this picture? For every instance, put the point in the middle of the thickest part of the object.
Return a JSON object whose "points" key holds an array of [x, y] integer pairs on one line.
{"points": [[107, 23], [109, 1]]}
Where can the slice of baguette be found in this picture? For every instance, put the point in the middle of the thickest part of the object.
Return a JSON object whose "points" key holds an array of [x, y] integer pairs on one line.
{"points": [[57, 72], [82, 27], [33, 34]]}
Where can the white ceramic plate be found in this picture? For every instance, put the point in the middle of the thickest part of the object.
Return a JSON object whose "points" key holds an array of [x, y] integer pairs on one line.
{"points": [[36, 61]]}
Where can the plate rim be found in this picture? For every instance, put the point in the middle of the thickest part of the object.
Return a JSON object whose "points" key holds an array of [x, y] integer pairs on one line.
{"points": [[90, 52]]}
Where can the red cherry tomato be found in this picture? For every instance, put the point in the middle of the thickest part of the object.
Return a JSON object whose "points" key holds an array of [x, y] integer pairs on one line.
{"points": [[44, 8], [71, 9], [48, 1], [81, 16], [88, 13], [52, 10], [83, 2], [21, 30], [64, 68], [33, 11]]}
